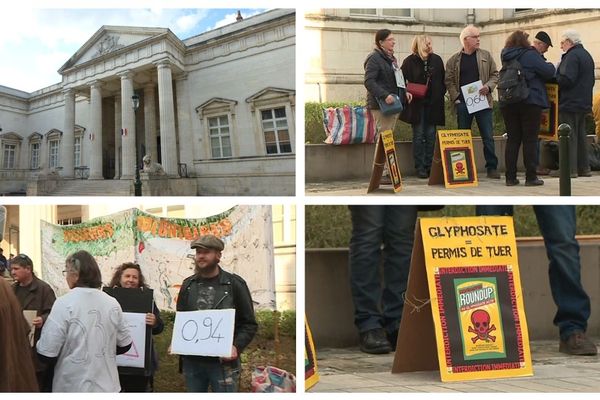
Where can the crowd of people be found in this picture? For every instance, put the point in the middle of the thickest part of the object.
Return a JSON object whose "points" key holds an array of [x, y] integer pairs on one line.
{"points": [[70, 343], [421, 81]]}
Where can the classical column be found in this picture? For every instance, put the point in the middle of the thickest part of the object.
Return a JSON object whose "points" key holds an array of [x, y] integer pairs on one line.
{"points": [[168, 142], [68, 140], [150, 121], [184, 111], [95, 131], [128, 126], [117, 136]]}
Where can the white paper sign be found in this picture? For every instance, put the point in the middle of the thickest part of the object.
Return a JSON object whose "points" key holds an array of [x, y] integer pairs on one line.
{"points": [[474, 101], [30, 316], [203, 333], [136, 356]]}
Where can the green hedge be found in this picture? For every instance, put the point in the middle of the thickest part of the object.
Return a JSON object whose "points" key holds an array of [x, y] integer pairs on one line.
{"points": [[330, 226]]}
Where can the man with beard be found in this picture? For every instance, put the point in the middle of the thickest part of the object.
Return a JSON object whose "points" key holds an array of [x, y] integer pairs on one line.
{"points": [[213, 288]]}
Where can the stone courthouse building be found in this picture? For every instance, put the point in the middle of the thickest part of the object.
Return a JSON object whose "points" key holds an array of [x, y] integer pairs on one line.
{"points": [[217, 111], [338, 40]]}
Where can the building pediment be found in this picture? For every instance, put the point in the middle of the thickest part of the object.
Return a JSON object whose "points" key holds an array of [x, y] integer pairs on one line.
{"points": [[53, 133], [35, 136], [11, 136], [216, 105], [271, 95], [109, 39]]}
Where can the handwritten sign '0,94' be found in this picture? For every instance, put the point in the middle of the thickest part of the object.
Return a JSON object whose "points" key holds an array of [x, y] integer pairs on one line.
{"points": [[203, 333]]}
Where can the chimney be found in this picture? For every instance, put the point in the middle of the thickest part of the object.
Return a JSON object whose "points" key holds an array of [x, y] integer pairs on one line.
{"points": [[239, 16]]}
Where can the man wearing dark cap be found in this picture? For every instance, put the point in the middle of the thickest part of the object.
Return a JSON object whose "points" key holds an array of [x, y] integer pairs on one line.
{"points": [[213, 288], [542, 42]]}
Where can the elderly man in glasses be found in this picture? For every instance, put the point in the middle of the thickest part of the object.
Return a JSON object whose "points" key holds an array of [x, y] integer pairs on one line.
{"points": [[33, 294]]}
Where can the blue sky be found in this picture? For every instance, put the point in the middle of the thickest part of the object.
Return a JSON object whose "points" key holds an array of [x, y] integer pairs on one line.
{"points": [[35, 43]]}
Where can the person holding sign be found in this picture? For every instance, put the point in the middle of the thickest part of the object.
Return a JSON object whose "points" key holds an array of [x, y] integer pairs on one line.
{"points": [[384, 80], [17, 372], [129, 276], [558, 226], [425, 69], [522, 119], [377, 312], [84, 332], [212, 288], [470, 65], [36, 295]]}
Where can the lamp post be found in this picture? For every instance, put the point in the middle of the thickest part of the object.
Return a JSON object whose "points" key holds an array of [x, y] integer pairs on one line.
{"points": [[137, 183]]}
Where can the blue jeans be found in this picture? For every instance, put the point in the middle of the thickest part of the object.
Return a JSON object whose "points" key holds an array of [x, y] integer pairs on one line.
{"points": [[423, 141], [486, 130], [393, 226], [557, 224], [200, 374]]}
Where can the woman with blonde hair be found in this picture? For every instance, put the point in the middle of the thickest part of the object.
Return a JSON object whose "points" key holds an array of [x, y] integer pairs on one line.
{"points": [[17, 373], [424, 74]]}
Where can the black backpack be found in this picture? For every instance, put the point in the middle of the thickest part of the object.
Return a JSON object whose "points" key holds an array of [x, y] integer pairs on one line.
{"points": [[512, 85]]}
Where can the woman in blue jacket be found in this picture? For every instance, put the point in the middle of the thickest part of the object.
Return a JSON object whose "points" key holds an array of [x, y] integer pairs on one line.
{"points": [[522, 119]]}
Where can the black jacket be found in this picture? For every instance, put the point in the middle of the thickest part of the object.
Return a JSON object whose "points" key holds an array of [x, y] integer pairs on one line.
{"points": [[413, 69], [232, 292], [575, 78], [380, 79]]}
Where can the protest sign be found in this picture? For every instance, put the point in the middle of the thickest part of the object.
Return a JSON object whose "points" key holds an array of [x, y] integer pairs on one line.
{"points": [[311, 372], [465, 273], [453, 161], [549, 119], [203, 333], [385, 153], [473, 100], [161, 246], [136, 355]]}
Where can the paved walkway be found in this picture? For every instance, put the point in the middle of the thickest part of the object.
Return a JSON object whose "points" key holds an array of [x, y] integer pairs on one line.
{"points": [[413, 186], [349, 370]]}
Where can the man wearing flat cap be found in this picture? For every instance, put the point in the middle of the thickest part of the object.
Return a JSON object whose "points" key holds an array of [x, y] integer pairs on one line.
{"points": [[213, 288]]}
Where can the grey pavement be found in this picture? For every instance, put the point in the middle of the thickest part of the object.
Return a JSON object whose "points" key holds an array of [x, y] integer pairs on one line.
{"points": [[349, 370], [413, 186]]}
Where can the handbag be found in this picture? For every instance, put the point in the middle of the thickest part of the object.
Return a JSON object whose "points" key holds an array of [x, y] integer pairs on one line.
{"points": [[390, 109], [418, 90]]}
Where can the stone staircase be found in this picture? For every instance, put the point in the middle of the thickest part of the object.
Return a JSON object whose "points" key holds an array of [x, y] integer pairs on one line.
{"points": [[79, 187]]}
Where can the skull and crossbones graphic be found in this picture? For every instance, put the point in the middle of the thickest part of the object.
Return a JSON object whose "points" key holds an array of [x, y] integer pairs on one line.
{"points": [[481, 326]]}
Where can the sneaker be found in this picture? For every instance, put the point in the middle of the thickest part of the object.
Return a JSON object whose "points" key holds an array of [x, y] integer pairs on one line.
{"points": [[512, 182], [374, 342], [585, 173], [534, 182], [493, 174], [578, 345]]}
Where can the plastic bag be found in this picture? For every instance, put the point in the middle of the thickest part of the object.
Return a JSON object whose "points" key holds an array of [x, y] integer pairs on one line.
{"points": [[272, 380]]}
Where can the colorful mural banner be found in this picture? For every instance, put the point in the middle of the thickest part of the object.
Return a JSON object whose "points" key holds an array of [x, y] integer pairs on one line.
{"points": [[474, 283], [161, 246]]}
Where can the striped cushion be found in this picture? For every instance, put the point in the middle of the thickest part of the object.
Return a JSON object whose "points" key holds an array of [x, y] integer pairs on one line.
{"points": [[348, 125]]}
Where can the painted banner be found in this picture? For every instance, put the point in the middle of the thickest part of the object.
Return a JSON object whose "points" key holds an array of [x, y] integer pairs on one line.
{"points": [[549, 119], [477, 304], [455, 150], [391, 159], [161, 246], [203, 333]]}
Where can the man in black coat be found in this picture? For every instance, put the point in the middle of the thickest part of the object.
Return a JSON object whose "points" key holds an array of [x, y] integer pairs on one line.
{"points": [[575, 77]]}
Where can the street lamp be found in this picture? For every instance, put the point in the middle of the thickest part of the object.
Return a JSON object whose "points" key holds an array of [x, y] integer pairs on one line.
{"points": [[137, 183]]}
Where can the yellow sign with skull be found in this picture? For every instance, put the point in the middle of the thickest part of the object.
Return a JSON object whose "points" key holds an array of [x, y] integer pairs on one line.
{"points": [[475, 291]]}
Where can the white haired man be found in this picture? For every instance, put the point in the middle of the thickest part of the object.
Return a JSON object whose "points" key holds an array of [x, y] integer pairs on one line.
{"points": [[575, 77], [468, 65]]}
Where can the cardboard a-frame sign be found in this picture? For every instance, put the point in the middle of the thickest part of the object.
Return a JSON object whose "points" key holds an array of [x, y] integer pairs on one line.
{"points": [[311, 372], [464, 300], [453, 161], [385, 153], [549, 120], [140, 302]]}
